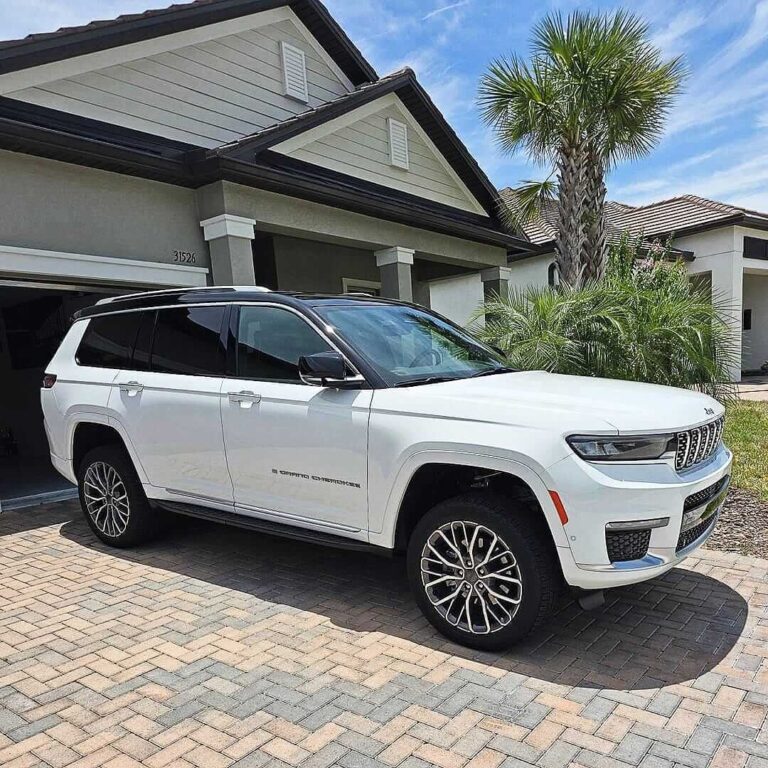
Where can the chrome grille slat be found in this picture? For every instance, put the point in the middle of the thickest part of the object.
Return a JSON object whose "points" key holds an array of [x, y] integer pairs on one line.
{"points": [[698, 444]]}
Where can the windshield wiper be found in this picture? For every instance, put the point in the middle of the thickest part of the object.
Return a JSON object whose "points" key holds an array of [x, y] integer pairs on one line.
{"points": [[425, 380], [492, 371]]}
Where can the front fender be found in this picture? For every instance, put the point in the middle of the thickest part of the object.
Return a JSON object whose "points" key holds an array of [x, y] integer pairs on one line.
{"points": [[384, 515]]}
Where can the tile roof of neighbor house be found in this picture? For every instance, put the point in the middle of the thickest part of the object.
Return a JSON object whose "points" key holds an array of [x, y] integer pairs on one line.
{"points": [[67, 42], [676, 215]]}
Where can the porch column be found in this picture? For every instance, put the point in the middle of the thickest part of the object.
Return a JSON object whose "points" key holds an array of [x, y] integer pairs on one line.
{"points": [[229, 240], [496, 282], [395, 268]]}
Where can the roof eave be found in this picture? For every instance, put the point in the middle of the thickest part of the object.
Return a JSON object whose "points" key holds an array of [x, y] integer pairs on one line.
{"points": [[79, 42], [356, 197], [421, 106]]}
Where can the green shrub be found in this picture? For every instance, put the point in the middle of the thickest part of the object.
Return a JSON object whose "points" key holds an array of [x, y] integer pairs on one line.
{"points": [[644, 321]]}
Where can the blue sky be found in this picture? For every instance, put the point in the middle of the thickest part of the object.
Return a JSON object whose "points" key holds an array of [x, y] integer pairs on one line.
{"points": [[716, 140]]}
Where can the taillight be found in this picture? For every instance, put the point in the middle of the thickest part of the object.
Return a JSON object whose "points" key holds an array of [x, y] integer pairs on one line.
{"points": [[49, 380]]}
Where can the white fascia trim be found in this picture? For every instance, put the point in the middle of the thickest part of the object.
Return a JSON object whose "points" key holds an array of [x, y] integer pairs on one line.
{"points": [[319, 50], [60, 266], [395, 255], [496, 273], [227, 225], [301, 140], [289, 146], [78, 65], [413, 123]]}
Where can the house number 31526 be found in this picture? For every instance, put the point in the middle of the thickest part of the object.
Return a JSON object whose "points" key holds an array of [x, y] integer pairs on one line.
{"points": [[184, 257]]}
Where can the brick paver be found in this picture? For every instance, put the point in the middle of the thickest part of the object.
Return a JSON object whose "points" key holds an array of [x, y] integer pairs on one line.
{"points": [[215, 647]]}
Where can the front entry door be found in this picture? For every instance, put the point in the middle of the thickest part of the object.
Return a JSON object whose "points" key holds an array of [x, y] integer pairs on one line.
{"points": [[297, 454]]}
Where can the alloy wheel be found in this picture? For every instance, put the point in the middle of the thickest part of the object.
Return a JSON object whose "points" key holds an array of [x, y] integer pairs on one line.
{"points": [[106, 499], [471, 577]]}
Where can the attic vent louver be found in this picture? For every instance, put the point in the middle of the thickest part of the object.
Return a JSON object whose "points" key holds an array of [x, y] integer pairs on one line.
{"points": [[398, 143], [294, 72]]}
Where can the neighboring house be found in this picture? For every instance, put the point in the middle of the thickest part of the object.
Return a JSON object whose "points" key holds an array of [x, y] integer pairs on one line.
{"points": [[723, 244], [218, 142]]}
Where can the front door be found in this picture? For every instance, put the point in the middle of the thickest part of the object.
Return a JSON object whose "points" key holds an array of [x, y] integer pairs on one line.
{"points": [[297, 454], [169, 402]]}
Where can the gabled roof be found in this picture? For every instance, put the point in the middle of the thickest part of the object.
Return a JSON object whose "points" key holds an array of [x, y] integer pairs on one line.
{"points": [[68, 42], [403, 83], [54, 134], [683, 214], [675, 216]]}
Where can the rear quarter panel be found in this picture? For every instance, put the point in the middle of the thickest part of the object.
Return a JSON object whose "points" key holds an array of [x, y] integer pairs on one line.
{"points": [[80, 394]]}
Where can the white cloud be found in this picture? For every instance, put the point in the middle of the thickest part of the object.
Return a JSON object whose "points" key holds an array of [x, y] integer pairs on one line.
{"points": [[673, 37], [445, 8]]}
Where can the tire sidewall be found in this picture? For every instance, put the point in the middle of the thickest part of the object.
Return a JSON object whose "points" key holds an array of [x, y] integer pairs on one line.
{"points": [[471, 509], [116, 458]]}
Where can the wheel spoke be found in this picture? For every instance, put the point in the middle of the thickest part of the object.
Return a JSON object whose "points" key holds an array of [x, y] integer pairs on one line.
{"points": [[106, 499], [471, 577]]}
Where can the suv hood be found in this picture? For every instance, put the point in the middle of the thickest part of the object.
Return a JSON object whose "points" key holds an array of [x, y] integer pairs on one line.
{"points": [[566, 403]]}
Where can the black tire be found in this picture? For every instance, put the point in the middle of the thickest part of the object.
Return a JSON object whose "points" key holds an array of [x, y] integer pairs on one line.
{"points": [[526, 537], [142, 521]]}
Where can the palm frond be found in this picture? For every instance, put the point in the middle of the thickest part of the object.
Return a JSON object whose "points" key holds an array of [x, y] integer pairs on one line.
{"points": [[528, 202]]}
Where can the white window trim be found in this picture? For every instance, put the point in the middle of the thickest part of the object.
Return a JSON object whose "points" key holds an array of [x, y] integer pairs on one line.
{"points": [[286, 50], [392, 126], [347, 282]]}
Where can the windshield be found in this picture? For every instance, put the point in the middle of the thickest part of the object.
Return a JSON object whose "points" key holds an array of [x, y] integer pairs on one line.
{"points": [[408, 346]]}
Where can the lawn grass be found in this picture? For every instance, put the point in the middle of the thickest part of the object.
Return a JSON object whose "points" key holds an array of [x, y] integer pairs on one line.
{"points": [[746, 434]]}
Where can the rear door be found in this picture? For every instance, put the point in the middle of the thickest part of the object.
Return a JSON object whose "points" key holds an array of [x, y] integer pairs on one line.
{"points": [[296, 453], [169, 402]]}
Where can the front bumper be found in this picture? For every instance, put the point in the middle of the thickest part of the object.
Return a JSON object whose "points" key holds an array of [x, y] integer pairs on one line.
{"points": [[596, 496]]}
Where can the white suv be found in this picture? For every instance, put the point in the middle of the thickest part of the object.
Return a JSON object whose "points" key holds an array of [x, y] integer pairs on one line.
{"points": [[371, 424]]}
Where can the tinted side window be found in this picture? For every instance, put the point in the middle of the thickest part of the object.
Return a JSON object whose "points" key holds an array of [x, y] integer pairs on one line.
{"points": [[143, 346], [270, 343], [187, 341], [108, 341]]}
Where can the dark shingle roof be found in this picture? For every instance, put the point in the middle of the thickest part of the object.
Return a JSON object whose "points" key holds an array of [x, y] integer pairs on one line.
{"points": [[64, 43], [295, 123], [673, 216]]}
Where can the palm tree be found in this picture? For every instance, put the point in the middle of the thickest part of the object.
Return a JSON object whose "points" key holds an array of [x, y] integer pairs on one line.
{"points": [[595, 92]]}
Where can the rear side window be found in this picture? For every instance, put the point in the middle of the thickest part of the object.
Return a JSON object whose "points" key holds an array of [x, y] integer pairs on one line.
{"points": [[108, 341], [270, 343], [187, 341]]}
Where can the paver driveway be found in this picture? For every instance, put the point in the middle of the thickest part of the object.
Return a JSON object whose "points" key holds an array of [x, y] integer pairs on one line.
{"points": [[217, 647]]}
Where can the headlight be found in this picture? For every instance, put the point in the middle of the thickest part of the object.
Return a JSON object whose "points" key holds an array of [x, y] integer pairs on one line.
{"points": [[610, 448]]}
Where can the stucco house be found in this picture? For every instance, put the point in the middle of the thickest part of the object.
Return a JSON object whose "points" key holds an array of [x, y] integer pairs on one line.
{"points": [[217, 142], [723, 244]]}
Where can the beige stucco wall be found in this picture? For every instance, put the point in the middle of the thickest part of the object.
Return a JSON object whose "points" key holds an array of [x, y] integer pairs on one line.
{"points": [[281, 214], [54, 206]]}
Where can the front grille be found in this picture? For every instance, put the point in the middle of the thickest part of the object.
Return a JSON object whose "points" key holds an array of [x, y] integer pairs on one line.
{"points": [[627, 545], [705, 494], [698, 444], [687, 538]]}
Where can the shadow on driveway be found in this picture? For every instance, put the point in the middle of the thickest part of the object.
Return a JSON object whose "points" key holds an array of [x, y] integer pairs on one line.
{"points": [[666, 631]]}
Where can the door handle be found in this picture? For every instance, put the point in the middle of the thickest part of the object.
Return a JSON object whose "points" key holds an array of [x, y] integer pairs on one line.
{"points": [[132, 388], [245, 398]]}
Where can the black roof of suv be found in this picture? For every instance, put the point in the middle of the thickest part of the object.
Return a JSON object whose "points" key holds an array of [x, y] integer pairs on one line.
{"points": [[223, 295]]}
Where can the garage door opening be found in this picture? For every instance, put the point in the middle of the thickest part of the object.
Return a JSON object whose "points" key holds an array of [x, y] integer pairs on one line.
{"points": [[33, 321]]}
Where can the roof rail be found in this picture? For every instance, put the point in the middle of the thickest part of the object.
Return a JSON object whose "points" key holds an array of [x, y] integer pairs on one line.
{"points": [[172, 291]]}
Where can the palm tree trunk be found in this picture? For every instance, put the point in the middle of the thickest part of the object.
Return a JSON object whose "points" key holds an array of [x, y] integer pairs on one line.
{"points": [[571, 235], [595, 245]]}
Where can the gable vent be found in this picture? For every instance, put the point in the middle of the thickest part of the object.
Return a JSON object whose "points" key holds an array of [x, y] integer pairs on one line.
{"points": [[294, 72], [398, 143]]}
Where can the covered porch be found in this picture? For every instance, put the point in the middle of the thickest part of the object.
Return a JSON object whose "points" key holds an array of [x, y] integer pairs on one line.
{"points": [[284, 243]]}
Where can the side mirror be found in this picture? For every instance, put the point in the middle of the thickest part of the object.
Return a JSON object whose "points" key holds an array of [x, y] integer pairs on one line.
{"points": [[327, 369]]}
